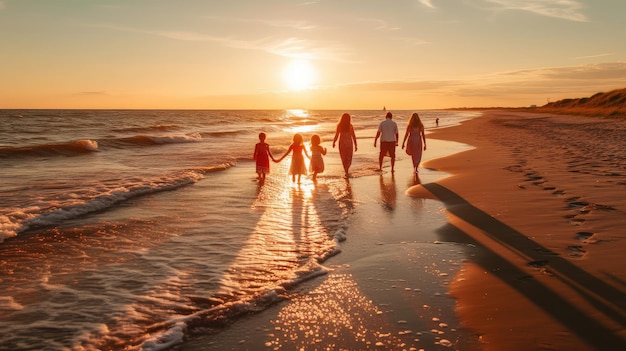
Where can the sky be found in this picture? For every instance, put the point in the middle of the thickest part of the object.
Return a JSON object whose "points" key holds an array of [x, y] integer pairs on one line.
{"points": [[310, 54]]}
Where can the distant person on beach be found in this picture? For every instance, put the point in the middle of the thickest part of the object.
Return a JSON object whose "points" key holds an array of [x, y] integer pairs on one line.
{"points": [[417, 140], [317, 162], [437, 122], [262, 155], [297, 168], [347, 137], [388, 134]]}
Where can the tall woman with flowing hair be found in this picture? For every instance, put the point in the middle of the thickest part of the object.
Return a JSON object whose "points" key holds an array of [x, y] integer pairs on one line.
{"points": [[417, 140], [345, 133]]}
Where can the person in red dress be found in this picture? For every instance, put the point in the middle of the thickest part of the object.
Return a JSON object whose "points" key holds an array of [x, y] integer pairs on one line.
{"points": [[262, 155]]}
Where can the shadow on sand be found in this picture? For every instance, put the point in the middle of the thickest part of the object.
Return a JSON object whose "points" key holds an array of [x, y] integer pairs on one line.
{"points": [[603, 296]]}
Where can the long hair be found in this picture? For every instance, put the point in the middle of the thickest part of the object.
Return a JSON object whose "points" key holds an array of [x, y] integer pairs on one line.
{"points": [[415, 121], [297, 139], [344, 123]]}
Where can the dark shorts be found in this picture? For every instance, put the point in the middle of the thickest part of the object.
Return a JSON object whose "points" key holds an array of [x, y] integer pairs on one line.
{"points": [[388, 148]]}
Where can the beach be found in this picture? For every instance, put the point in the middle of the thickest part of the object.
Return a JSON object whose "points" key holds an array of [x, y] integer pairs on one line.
{"points": [[512, 242], [148, 230]]}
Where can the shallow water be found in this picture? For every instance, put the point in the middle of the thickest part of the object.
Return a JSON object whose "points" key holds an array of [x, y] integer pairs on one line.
{"points": [[134, 229]]}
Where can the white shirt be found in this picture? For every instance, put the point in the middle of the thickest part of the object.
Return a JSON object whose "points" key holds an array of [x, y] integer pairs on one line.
{"points": [[388, 130]]}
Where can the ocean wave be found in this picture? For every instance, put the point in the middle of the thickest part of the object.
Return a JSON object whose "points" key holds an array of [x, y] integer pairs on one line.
{"points": [[17, 220], [228, 133], [168, 333], [72, 148], [146, 140], [148, 129]]}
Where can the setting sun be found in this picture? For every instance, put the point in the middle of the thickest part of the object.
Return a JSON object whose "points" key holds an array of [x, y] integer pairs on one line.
{"points": [[299, 75]]}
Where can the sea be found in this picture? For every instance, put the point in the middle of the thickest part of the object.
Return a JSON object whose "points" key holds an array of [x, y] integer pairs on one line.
{"points": [[138, 229]]}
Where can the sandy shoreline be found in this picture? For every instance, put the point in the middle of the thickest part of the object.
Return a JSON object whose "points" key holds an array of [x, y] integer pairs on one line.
{"points": [[525, 256], [545, 195]]}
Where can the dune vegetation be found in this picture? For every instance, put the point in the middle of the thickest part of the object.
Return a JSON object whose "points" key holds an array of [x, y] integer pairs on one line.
{"points": [[609, 104]]}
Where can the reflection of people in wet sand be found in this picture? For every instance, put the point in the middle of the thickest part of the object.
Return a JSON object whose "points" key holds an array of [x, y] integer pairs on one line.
{"points": [[262, 157], [317, 162], [297, 168], [347, 137], [388, 134], [417, 140], [388, 193]]}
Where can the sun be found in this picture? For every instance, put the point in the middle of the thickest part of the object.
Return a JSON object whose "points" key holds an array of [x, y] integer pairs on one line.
{"points": [[299, 75]]}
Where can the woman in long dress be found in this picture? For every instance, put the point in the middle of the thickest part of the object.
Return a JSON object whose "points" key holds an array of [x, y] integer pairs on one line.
{"points": [[417, 140], [347, 137]]}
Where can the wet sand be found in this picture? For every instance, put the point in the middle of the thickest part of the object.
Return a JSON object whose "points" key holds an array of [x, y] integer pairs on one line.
{"points": [[519, 249]]}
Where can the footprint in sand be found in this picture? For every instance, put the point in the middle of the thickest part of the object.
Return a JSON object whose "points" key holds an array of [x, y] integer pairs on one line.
{"points": [[586, 237], [576, 251]]}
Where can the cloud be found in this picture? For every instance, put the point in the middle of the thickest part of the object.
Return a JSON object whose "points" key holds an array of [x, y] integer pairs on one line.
{"points": [[564, 9], [427, 3], [307, 49], [594, 56], [399, 85], [292, 47], [610, 72], [531, 84], [277, 23]]}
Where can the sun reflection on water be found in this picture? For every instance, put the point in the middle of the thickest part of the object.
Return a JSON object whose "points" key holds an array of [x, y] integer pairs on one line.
{"points": [[288, 235], [297, 113]]}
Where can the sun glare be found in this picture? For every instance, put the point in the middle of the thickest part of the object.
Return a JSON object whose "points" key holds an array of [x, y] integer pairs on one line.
{"points": [[299, 75]]}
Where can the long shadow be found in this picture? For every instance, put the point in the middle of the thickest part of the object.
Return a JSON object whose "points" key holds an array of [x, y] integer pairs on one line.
{"points": [[604, 297]]}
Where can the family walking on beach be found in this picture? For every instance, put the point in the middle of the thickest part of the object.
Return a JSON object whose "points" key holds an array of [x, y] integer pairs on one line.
{"points": [[344, 132]]}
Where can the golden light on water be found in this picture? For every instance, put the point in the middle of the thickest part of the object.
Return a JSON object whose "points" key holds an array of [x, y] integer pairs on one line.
{"points": [[288, 234], [300, 122], [296, 113]]}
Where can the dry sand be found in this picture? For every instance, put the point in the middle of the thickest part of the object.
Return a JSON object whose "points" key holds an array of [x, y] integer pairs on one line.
{"points": [[546, 195], [521, 248]]}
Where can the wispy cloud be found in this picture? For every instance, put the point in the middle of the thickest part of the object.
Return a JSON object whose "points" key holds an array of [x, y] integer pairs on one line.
{"points": [[427, 3], [567, 81], [277, 23], [309, 49], [288, 47], [399, 85], [564, 9], [594, 56], [613, 71]]}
